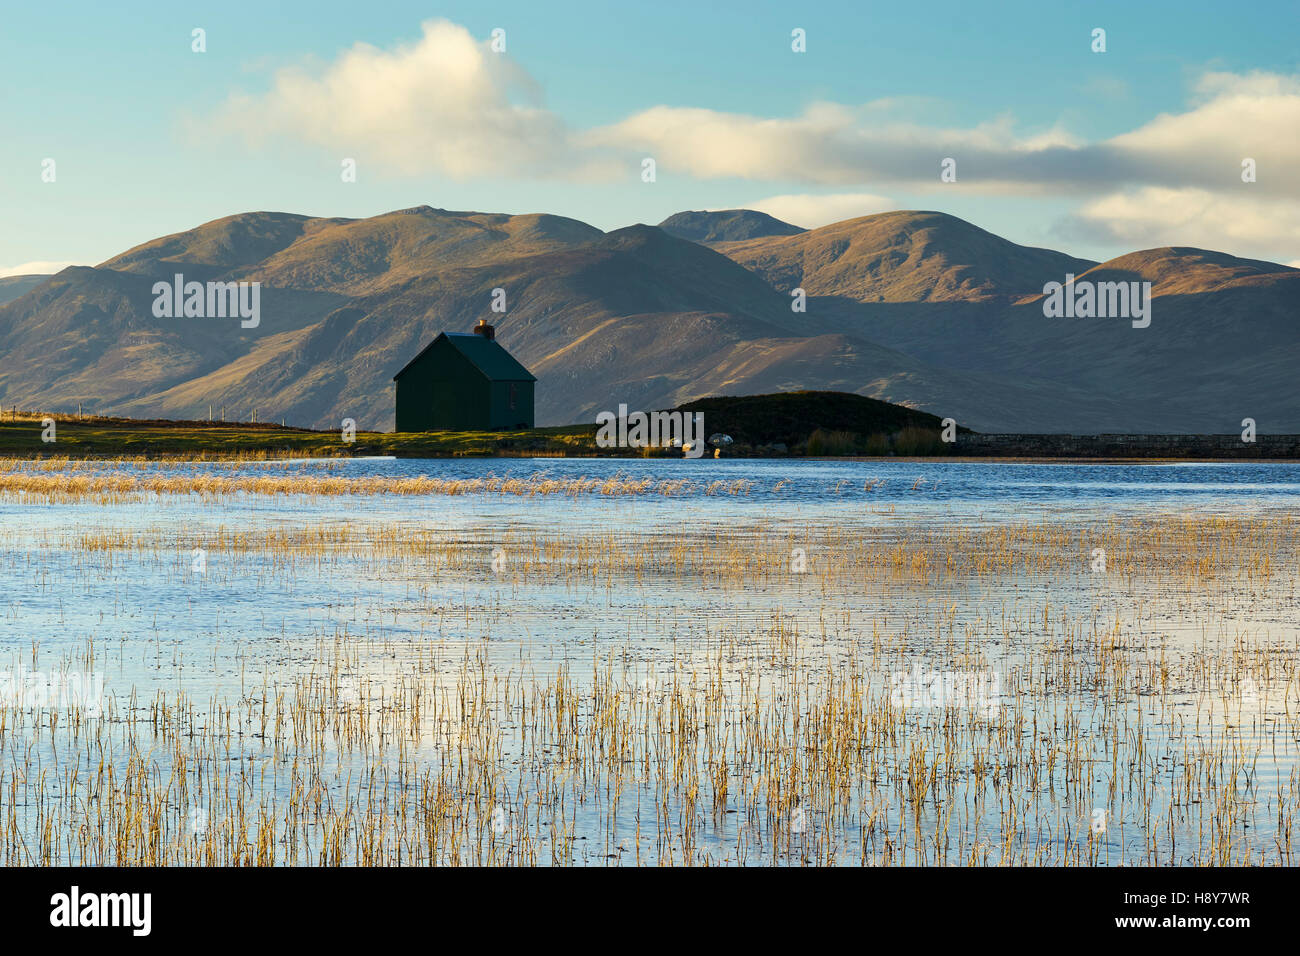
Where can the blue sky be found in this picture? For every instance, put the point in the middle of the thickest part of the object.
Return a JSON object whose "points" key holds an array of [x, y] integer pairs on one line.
{"points": [[1055, 144]]}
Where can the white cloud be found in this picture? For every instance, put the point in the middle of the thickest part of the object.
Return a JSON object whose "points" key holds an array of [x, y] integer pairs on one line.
{"points": [[1256, 83], [446, 103], [38, 268], [1252, 116], [812, 210], [1232, 118], [1248, 224], [828, 144]]}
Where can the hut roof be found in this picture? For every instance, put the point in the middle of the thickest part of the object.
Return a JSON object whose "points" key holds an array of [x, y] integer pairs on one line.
{"points": [[487, 355]]}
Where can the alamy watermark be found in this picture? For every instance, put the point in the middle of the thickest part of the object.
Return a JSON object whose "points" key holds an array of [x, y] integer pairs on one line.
{"points": [[650, 430], [923, 687], [40, 690], [208, 300], [1100, 300]]}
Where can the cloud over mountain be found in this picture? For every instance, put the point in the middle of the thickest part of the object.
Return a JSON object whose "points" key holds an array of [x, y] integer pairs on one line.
{"points": [[1249, 223], [811, 210], [446, 103], [450, 104]]}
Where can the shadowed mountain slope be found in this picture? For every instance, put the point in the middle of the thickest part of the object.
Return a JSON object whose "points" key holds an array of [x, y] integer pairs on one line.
{"points": [[11, 287]]}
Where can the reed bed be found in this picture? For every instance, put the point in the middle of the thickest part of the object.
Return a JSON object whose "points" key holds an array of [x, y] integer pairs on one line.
{"points": [[706, 762], [408, 703], [1169, 553], [121, 487]]}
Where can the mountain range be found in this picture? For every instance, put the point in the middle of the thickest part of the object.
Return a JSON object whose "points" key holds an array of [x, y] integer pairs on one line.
{"points": [[917, 308]]}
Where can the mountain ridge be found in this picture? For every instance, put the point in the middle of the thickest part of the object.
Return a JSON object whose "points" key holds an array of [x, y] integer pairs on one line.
{"points": [[913, 307], [721, 225]]}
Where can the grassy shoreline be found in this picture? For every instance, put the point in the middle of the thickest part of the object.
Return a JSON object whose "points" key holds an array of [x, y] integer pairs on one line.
{"points": [[125, 438], [85, 437]]}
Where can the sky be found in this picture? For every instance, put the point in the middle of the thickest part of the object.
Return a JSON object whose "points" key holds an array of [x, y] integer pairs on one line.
{"points": [[116, 130]]}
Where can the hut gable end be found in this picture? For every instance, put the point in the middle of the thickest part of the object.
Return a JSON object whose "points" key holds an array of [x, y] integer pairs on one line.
{"points": [[464, 382]]}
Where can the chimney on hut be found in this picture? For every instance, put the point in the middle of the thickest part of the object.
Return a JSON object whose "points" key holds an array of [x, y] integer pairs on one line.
{"points": [[487, 331]]}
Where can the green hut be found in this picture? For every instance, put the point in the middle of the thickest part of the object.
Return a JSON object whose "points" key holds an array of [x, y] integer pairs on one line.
{"points": [[464, 381]]}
